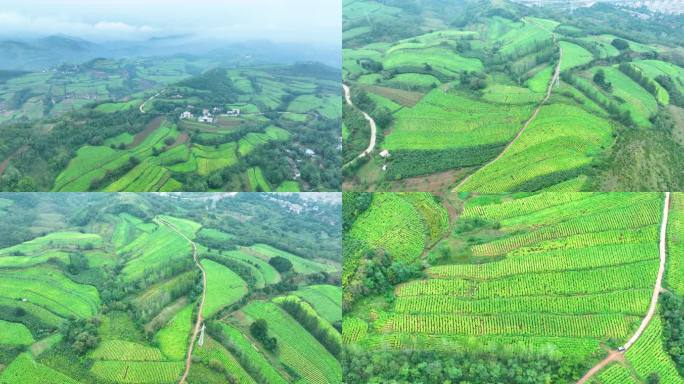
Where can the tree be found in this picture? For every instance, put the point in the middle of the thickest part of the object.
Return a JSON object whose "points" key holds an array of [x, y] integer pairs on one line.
{"points": [[259, 330], [281, 264], [77, 262], [653, 378], [620, 44], [600, 76]]}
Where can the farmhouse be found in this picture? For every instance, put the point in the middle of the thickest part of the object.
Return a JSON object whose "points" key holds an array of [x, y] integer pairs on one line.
{"points": [[233, 112], [385, 154], [206, 117], [186, 115]]}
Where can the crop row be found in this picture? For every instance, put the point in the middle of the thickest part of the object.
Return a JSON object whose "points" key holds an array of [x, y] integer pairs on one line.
{"points": [[599, 326], [632, 302], [630, 276], [635, 216], [554, 260], [297, 348]]}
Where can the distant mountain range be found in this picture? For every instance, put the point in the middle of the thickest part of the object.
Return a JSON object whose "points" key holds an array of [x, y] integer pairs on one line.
{"points": [[52, 51]]}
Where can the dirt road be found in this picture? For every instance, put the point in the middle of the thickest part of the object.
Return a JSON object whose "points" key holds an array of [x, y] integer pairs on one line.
{"points": [[188, 360], [371, 122], [657, 288], [612, 356], [554, 80]]}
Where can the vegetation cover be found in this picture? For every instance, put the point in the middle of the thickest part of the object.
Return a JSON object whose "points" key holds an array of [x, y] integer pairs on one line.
{"points": [[107, 288], [180, 123], [494, 285], [498, 96]]}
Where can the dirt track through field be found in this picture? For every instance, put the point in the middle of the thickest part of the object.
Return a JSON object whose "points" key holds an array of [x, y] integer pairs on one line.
{"points": [[553, 81], [371, 122], [657, 288], [188, 359]]}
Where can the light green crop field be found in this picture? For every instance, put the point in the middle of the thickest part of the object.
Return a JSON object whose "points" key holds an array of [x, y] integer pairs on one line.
{"points": [[396, 224], [106, 289], [253, 354], [477, 75], [558, 145], [325, 299], [297, 348], [138, 371], [542, 276], [15, 333], [213, 351], [173, 338], [638, 101], [299, 264], [675, 245], [125, 351], [47, 287], [25, 370], [185, 226], [224, 287], [154, 249], [574, 55], [257, 181], [288, 186], [267, 273], [442, 120]]}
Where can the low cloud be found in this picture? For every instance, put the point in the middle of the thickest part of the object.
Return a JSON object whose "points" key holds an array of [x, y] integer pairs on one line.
{"points": [[15, 24]]}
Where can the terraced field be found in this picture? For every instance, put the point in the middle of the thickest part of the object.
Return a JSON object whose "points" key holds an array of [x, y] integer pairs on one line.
{"points": [[477, 74], [572, 273], [217, 130], [111, 292]]}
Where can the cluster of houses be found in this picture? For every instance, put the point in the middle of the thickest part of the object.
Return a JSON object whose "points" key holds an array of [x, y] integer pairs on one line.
{"points": [[207, 115]]}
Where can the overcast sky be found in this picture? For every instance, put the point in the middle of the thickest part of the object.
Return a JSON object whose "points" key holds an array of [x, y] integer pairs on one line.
{"points": [[309, 21]]}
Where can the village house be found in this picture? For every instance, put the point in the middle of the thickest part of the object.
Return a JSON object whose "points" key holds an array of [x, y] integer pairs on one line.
{"points": [[206, 117], [186, 115], [233, 112]]}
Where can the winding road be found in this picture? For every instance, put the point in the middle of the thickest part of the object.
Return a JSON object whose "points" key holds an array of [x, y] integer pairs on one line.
{"points": [[554, 80], [188, 360], [142, 106], [657, 288], [371, 122]]}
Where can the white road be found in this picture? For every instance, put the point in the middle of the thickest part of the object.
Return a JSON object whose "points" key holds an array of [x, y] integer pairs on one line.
{"points": [[657, 288], [371, 122]]}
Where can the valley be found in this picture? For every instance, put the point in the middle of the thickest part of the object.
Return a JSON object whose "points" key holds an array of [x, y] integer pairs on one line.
{"points": [[169, 289]]}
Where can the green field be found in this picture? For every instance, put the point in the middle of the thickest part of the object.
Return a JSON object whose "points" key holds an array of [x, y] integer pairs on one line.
{"points": [[454, 91], [125, 149], [105, 288], [571, 273], [224, 287]]}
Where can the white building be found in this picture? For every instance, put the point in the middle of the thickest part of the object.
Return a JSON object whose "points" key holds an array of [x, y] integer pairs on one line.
{"points": [[385, 154], [309, 152], [186, 115], [233, 112]]}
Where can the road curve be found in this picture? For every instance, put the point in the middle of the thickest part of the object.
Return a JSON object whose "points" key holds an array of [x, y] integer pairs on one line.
{"points": [[188, 360], [553, 81], [142, 110], [371, 122], [657, 288]]}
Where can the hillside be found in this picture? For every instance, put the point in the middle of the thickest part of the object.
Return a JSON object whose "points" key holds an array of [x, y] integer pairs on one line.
{"points": [[108, 289], [494, 96], [180, 124], [548, 284]]}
